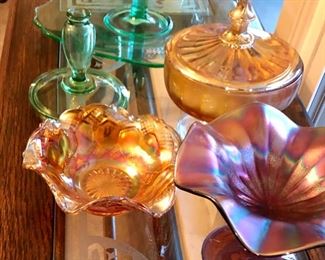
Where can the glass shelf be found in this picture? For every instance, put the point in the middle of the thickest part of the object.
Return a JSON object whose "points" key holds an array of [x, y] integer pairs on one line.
{"points": [[51, 16]]}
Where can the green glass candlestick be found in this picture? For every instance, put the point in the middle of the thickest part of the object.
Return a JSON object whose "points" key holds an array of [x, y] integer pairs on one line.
{"points": [[79, 38], [138, 22], [55, 91]]}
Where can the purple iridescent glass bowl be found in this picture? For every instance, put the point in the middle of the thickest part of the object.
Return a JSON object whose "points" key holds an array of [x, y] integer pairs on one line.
{"points": [[264, 173]]}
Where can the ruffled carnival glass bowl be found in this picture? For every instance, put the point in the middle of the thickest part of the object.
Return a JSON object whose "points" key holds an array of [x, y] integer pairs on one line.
{"points": [[264, 173], [103, 160]]}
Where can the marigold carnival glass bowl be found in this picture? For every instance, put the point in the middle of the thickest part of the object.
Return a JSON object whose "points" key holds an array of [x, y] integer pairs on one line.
{"points": [[264, 173], [225, 67], [101, 159]]}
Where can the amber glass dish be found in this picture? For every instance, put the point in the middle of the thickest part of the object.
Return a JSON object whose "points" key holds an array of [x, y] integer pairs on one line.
{"points": [[103, 160], [211, 69]]}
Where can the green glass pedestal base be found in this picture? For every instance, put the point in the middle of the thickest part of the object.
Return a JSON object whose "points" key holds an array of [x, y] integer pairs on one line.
{"points": [[152, 25], [49, 97]]}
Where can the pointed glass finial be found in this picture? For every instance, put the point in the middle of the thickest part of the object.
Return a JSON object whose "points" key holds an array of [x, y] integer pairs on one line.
{"points": [[77, 85], [240, 17]]}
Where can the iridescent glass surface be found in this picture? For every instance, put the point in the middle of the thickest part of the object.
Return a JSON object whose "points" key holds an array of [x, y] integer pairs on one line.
{"points": [[264, 173], [105, 161]]}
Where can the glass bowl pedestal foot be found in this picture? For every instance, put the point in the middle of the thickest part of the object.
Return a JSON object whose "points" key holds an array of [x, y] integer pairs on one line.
{"points": [[49, 96], [137, 22]]}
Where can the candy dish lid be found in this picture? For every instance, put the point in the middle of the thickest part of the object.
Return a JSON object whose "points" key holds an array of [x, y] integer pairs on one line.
{"points": [[235, 57]]}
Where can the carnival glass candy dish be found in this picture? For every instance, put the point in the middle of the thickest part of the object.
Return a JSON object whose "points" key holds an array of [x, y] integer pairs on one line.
{"points": [[264, 173], [225, 67], [103, 160]]}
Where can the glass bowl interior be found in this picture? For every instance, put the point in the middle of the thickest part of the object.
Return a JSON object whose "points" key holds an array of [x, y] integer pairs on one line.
{"points": [[264, 173], [103, 160]]}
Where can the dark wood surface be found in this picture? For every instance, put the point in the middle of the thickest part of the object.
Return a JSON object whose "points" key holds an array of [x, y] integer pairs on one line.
{"points": [[27, 206], [31, 227], [317, 253]]}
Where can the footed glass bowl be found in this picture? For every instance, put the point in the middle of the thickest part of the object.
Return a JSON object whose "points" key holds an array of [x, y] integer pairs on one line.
{"points": [[222, 79], [227, 66], [264, 173], [103, 160]]}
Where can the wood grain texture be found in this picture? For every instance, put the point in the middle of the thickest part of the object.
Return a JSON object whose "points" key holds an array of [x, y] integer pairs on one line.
{"points": [[26, 204], [59, 234], [297, 112], [317, 253]]}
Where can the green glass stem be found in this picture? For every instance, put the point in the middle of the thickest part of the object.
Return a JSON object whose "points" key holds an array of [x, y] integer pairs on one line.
{"points": [[138, 22], [139, 9], [76, 85], [78, 40]]}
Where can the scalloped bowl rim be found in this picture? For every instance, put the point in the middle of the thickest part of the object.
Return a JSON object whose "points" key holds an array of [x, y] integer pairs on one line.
{"points": [[217, 202], [79, 206]]}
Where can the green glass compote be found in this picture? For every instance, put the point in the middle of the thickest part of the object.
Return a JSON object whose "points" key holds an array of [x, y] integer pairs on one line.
{"points": [[142, 39], [55, 91], [138, 22]]}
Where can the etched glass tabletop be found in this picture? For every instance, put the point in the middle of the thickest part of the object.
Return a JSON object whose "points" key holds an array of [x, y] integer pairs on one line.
{"points": [[51, 16]]}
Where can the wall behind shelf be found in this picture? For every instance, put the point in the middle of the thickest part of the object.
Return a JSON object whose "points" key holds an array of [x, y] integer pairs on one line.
{"points": [[268, 13]]}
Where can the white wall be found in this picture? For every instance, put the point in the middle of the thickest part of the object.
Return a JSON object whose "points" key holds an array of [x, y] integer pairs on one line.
{"points": [[302, 24]]}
